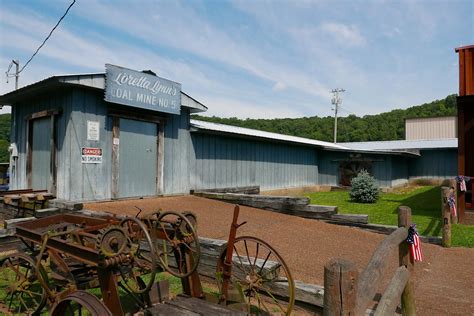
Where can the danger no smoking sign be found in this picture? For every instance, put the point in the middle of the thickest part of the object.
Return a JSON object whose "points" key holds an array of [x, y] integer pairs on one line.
{"points": [[91, 155]]}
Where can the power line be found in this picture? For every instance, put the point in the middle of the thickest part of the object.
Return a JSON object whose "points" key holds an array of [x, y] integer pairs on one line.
{"points": [[46, 39], [346, 110]]}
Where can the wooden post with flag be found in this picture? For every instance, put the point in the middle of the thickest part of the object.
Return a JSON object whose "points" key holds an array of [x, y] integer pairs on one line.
{"points": [[454, 194], [446, 215], [408, 295]]}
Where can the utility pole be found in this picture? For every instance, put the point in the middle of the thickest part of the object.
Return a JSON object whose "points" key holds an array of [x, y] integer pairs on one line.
{"points": [[16, 74], [336, 100]]}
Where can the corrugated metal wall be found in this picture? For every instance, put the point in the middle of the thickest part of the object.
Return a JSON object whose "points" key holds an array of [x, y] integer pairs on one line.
{"points": [[78, 181], [400, 170], [431, 128], [99, 176], [225, 161], [329, 167], [177, 157], [41, 154], [138, 158], [434, 163], [61, 99]]}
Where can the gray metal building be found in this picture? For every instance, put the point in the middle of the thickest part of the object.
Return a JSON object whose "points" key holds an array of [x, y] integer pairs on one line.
{"points": [[68, 138], [235, 156], [50, 125]]}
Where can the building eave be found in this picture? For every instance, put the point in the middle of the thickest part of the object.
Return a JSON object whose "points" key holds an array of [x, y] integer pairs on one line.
{"points": [[92, 81]]}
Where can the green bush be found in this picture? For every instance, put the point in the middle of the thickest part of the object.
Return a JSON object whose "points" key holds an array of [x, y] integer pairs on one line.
{"points": [[364, 188]]}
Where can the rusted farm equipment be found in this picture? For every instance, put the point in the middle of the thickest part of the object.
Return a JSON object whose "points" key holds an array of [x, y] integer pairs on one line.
{"points": [[69, 254], [253, 277]]}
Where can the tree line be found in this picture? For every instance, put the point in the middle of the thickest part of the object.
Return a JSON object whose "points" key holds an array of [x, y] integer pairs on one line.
{"points": [[4, 137], [352, 128]]}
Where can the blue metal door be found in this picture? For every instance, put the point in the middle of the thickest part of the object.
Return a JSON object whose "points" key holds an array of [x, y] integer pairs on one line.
{"points": [[41, 154], [137, 158]]}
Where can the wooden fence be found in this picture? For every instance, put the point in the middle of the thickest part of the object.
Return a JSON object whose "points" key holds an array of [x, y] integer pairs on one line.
{"points": [[446, 215], [348, 293]]}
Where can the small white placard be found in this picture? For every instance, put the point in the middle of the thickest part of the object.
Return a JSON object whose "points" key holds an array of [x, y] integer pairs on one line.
{"points": [[93, 130], [116, 141]]}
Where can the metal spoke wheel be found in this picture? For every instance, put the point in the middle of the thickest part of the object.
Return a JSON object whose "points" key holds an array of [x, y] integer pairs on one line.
{"points": [[80, 303], [260, 281], [21, 292], [142, 265], [177, 247]]}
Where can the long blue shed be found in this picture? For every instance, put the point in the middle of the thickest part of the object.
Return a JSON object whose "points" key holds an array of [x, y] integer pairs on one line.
{"points": [[123, 134]]}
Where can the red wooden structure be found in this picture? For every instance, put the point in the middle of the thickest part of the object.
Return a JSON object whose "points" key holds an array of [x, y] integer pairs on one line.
{"points": [[465, 103]]}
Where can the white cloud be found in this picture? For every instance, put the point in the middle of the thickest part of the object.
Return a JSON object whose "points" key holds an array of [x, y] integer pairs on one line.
{"points": [[279, 86], [225, 107], [199, 37], [344, 34]]}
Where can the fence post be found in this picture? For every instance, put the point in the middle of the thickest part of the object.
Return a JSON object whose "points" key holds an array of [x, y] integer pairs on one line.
{"points": [[408, 295], [446, 216], [340, 281]]}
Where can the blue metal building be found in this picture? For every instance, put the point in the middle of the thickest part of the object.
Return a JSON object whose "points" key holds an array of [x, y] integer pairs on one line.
{"points": [[71, 140], [61, 122]]}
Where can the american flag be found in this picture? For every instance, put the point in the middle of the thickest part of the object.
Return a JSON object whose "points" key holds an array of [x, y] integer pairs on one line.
{"points": [[452, 205], [462, 182], [415, 244]]}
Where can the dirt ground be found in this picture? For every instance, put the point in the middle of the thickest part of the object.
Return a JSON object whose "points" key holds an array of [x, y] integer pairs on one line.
{"points": [[444, 281]]}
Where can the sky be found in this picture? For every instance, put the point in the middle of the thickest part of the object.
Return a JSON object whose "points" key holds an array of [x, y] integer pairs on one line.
{"points": [[252, 59]]}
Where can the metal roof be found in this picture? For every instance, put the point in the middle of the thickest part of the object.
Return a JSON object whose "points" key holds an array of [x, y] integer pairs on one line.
{"points": [[222, 128], [216, 127], [457, 49], [404, 144], [95, 81], [197, 125]]}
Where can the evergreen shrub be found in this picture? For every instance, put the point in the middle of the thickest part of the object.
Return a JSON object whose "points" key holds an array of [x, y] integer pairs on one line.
{"points": [[364, 188]]}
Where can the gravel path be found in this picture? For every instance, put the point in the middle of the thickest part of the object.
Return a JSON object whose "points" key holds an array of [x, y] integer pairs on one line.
{"points": [[444, 282]]}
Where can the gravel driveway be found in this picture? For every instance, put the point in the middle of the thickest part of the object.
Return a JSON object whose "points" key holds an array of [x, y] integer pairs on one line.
{"points": [[444, 281]]}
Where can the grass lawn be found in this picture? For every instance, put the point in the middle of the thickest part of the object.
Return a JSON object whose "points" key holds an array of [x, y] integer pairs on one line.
{"points": [[425, 204]]}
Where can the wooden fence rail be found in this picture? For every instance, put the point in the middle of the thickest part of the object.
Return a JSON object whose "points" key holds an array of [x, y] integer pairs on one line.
{"points": [[347, 293], [391, 298]]}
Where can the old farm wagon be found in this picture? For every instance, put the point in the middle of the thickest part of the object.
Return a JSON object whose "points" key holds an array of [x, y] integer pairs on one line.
{"points": [[66, 255]]}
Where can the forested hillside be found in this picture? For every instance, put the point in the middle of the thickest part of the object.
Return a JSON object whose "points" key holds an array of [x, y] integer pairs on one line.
{"points": [[4, 137], [352, 128]]}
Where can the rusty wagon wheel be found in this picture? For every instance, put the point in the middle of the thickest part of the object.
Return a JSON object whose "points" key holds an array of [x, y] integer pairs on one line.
{"points": [[21, 292], [80, 303], [260, 281], [143, 259], [177, 247]]}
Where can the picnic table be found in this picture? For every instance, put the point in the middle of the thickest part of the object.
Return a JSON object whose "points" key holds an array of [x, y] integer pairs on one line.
{"points": [[24, 201]]}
